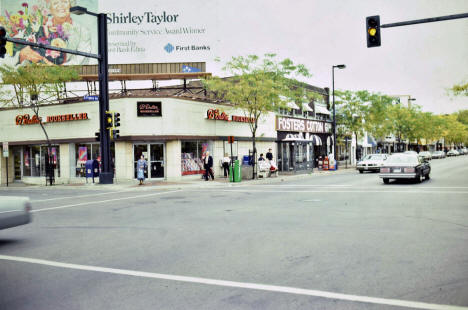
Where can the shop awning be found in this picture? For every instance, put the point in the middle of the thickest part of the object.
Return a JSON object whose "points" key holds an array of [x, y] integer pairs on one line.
{"points": [[305, 107], [294, 137], [292, 105], [316, 140], [371, 141], [321, 110]]}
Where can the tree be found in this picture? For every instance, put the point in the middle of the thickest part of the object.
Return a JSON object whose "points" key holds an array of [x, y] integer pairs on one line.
{"points": [[460, 89], [34, 85], [351, 112], [454, 131], [259, 86]]}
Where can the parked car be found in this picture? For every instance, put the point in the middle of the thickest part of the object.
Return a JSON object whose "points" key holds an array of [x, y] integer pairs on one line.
{"points": [[425, 155], [410, 152], [405, 166], [371, 162], [14, 211], [452, 153], [438, 154], [464, 151]]}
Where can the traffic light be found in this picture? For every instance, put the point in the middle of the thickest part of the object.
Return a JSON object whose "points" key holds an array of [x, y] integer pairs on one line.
{"points": [[116, 119], [109, 121], [98, 136], [115, 133], [373, 31], [2, 42]]}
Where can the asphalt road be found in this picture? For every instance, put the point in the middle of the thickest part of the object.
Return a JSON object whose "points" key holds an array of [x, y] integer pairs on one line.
{"points": [[338, 241]]}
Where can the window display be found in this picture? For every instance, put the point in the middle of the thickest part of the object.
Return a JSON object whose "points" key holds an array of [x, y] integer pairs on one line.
{"points": [[192, 153]]}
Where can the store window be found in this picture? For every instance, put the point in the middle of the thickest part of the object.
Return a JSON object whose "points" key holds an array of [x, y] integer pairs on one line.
{"points": [[35, 161], [27, 161], [192, 153], [32, 160], [90, 151]]}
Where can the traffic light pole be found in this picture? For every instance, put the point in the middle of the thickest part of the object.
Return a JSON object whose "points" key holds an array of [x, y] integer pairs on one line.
{"points": [[106, 175], [426, 20]]}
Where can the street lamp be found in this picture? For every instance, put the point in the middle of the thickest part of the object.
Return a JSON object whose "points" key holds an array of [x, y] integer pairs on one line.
{"points": [[335, 155], [106, 175]]}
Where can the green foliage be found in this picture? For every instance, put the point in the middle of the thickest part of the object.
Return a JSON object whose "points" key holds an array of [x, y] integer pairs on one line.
{"points": [[43, 83], [460, 89], [258, 86]]}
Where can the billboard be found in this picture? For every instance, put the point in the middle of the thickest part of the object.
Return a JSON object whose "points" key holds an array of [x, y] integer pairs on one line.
{"points": [[150, 32]]}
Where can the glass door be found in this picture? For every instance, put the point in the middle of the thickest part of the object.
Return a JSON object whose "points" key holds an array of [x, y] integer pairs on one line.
{"points": [[154, 155], [138, 150], [17, 164], [157, 160]]}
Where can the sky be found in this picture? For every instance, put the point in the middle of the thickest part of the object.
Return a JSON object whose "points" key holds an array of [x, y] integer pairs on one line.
{"points": [[422, 60]]}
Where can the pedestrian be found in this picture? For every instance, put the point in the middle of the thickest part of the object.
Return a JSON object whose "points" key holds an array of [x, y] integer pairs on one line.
{"points": [[269, 155], [207, 165], [261, 157], [141, 167], [226, 161]]}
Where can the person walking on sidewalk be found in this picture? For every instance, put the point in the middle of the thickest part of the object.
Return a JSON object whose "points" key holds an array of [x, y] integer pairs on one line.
{"points": [[141, 167], [208, 165], [226, 162]]}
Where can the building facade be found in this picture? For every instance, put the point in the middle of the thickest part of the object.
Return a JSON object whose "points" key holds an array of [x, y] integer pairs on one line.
{"points": [[171, 132]]}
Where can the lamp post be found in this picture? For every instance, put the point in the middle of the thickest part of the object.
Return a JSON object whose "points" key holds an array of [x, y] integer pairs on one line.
{"points": [[335, 155], [106, 175]]}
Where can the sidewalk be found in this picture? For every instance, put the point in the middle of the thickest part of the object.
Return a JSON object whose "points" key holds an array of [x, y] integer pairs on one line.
{"points": [[194, 183]]}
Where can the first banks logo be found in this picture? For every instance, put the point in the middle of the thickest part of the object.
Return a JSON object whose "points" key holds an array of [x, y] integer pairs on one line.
{"points": [[169, 48]]}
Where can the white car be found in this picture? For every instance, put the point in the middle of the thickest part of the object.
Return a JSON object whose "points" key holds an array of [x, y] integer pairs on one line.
{"points": [[14, 211], [371, 162], [452, 153]]}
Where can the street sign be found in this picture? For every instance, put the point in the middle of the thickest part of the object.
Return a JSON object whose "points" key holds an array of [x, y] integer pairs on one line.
{"points": [[5, 149], [91, 98], [231, 139]]}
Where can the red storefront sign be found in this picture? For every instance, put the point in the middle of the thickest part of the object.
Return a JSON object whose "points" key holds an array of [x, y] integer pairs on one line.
{"points": [[215, 114], [26, 119]]}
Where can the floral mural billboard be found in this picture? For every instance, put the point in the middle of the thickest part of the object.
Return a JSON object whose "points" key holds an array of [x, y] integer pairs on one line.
{"points": [[48, 22]]}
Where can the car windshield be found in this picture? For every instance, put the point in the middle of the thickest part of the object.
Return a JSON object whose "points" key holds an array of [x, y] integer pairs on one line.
{"points": [[402, 159], [373, 157]]}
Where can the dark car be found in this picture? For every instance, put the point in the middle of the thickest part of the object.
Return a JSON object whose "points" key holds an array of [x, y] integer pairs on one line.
{"points": [[405, 166]]}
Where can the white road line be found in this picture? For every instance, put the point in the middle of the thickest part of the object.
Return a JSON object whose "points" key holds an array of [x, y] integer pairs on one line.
{"points": [[339, 186], [301, 185], [244, 285], [75, 197], [102, 201], [334, 191]]}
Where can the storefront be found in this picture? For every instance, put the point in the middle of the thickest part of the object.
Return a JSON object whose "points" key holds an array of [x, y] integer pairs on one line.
{"points": [[301, 142], [172, 133]]}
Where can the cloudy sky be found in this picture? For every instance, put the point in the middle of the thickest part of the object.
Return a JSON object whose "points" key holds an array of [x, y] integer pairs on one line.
{"points": [[418, 60]]}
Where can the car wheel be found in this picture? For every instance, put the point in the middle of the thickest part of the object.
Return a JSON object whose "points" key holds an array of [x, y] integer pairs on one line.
{"points": [[361, 171], [419, 178], [386, 180]]}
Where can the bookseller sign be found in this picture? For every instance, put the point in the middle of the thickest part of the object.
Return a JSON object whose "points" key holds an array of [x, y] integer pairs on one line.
{"points": [[149, 108]]}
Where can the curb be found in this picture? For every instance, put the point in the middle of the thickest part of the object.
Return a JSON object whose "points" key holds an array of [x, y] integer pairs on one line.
{"points": [[182, 184]]}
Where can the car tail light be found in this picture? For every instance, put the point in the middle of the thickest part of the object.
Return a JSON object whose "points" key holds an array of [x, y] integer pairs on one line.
{"points": [[27, 207], [409, 170], [384, 170]]}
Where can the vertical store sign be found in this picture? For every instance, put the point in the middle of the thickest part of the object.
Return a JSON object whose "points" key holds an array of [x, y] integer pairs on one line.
{"points": [[5, 149]]}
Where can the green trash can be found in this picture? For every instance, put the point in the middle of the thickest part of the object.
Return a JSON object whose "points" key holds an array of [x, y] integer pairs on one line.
{"points": [[237, 172]]}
